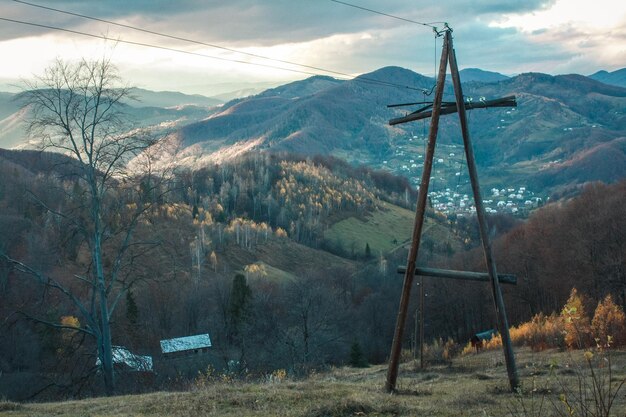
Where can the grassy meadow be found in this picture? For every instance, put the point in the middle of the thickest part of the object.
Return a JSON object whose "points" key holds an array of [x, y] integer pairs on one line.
{"points": [[384, 230], [471, 385]]}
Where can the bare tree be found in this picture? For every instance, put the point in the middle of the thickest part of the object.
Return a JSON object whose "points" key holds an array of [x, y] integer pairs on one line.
{"points": [[77, 109]]}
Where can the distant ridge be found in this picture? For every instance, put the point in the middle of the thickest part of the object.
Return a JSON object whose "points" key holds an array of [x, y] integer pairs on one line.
{"points": [[475, 74], [148, 98], [558, 127], [617, 77]]}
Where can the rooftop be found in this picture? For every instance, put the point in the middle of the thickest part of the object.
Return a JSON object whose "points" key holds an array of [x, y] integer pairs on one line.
{"points": [[180, 344], [122, 355]]}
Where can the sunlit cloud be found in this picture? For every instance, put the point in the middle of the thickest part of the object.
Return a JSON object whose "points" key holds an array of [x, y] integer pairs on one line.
{"points": [[552, 36], [597, 15], [591, 32]]}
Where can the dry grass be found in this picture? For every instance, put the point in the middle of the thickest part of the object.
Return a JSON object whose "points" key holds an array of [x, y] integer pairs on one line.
{"points": [[473, 385]]}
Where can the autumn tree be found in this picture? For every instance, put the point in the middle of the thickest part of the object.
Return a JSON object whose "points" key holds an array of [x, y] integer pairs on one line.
{"points": [[576, 322], [78, 109], [609, 323]]}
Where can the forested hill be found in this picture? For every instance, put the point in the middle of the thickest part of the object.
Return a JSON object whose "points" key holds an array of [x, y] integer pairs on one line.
{"points": [[561, 124], [267, 217], [267, 220], [574, 243]]}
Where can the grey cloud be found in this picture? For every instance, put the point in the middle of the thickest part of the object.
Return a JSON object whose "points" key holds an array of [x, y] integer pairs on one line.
{"points": [[239, 23], [262, 22]]}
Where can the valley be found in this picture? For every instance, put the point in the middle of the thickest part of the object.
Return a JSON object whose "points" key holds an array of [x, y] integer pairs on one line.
{"points": [[214, 208], [278, 226]]}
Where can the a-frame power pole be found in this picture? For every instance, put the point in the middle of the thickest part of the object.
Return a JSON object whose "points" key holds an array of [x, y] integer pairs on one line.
{"points": [[448, 55]]}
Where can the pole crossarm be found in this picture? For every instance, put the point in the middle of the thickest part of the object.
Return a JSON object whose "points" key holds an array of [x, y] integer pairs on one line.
{"points": [[509, 101], [462, 275]]}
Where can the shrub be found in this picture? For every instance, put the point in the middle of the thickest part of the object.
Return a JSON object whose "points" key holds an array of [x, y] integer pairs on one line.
{"points": [[467, 349], [440, 351], [608, 326], [540, 333], [595, 390], [571, 328], [494, 343]]}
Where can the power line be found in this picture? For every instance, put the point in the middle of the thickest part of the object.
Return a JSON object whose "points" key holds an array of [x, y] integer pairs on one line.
{"points": [[430, 24], [165, 35], [342, 74], [150, 45]]}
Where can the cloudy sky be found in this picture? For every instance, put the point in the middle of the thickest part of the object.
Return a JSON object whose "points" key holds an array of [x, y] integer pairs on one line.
{"points": [[507, 36]]}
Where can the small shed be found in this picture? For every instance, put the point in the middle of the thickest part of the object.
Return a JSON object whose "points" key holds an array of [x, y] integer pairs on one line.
{"points": [[479, 339], [188, 345], [124, 359]]}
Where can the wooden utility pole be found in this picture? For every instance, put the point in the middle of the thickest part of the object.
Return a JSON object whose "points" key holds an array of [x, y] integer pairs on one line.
{"points": [[422, 324], [459, 106], [420, 211], [498, 301]]}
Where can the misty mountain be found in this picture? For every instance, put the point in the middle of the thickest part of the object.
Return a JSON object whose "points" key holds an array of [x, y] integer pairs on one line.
{"points": [[232, 91], [617, 77], [7, 104], [559, 120], [298, 89], [475, 74], [159, 111], [147, 98], [12, 132], [560, 125]]}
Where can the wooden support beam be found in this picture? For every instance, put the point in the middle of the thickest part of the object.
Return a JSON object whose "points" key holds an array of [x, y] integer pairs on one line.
{"points": [[420, 211], [462, 275], [508, 101], [503, 324]]}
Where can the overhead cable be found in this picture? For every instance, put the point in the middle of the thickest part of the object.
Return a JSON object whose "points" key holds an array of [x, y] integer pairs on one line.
{"points": [[429, 24], [341, 74]]}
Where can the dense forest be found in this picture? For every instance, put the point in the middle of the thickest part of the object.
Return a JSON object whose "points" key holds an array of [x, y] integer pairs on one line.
{"points": [[236, 251]]}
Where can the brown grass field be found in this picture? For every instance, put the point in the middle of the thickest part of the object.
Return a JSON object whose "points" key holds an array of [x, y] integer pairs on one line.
{"points": [[473, 385]]}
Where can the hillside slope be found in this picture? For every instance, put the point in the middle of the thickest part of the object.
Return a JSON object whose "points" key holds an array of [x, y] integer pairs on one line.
{"points": [[557, 118], [466, 386], [617, 77]]}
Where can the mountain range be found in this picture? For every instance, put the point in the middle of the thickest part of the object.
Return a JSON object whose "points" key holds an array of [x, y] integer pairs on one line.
{"points": [[562, 127], [160, 111], [617, 77], [566, 130]]}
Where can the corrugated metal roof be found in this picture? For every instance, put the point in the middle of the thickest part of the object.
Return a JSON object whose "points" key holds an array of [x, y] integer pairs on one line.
{"points": [[180, 344], [122, 355], [486, 335]]}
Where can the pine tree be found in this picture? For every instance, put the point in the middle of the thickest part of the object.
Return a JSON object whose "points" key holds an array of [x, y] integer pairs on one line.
{"points": [[368, 251], [239, 298], [357, 358], [132, 311]]}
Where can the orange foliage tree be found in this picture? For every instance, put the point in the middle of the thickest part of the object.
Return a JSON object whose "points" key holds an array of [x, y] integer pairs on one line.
{"points": [[609, 324], [576, 324]]}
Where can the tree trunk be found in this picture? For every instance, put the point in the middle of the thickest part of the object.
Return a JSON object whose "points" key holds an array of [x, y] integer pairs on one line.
{"points": [[104, 345]]}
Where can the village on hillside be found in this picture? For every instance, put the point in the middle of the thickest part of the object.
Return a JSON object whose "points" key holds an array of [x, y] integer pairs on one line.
{"points": [[450, 191]]}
